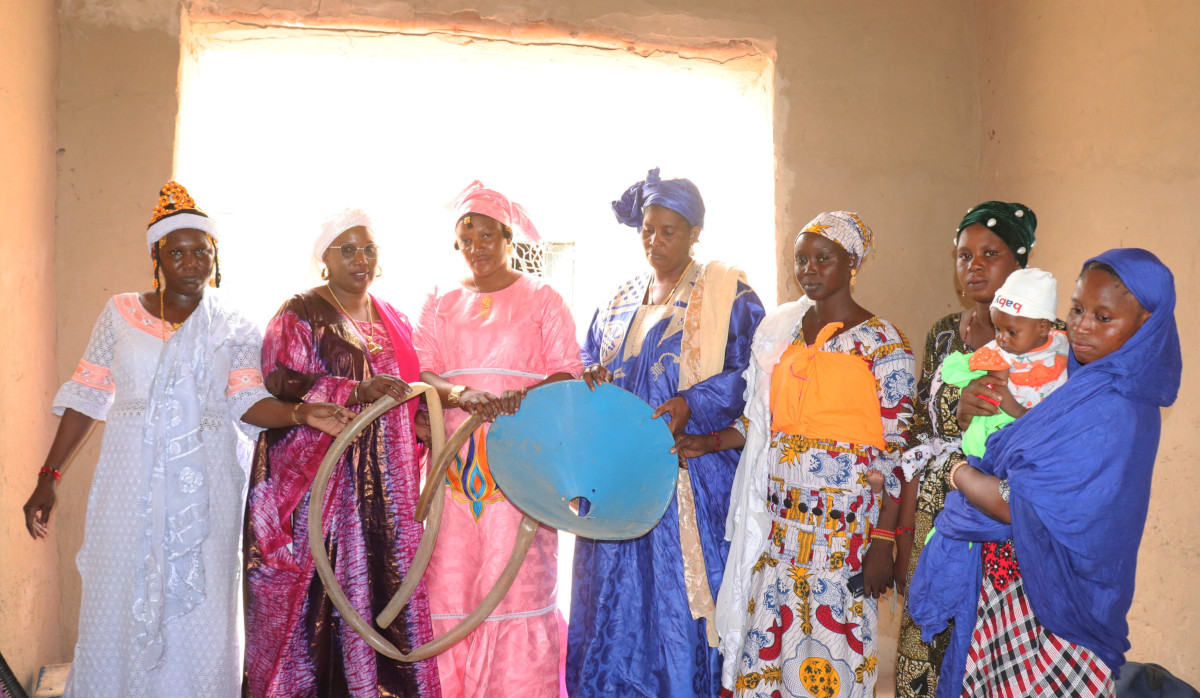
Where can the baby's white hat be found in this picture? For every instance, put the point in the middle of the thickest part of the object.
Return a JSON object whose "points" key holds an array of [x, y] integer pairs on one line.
{"points": [[1028, 293]]}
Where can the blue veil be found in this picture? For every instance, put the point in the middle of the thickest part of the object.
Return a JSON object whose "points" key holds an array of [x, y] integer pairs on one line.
{"points": [[1079, 466]]}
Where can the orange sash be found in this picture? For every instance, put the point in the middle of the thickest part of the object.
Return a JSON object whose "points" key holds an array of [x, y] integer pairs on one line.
{"points": [[825, 395]]}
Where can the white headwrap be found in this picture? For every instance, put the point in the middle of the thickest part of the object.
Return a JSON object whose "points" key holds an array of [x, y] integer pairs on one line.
{"points": [[176, 210], [336, 225], [179, 221]]}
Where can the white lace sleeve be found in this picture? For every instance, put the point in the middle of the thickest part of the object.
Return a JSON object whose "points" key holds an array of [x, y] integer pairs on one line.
{"points": [[245, 386], [90, 390]]}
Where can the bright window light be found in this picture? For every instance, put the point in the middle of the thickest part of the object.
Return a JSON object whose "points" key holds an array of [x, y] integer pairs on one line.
{"points": [[278, 132], [280, 129]]}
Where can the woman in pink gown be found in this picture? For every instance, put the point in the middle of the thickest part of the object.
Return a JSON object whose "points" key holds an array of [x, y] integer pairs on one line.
{"points": [[483, 342]]}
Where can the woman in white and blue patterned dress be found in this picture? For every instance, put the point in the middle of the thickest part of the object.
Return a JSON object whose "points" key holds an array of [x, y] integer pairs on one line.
{"points": [[815, 497]]}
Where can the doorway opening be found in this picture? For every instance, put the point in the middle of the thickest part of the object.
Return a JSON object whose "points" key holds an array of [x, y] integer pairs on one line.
{"points": [[280, 128]]}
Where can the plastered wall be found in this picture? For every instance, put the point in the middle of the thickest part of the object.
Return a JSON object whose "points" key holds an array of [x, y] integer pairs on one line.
{"points": [[29, 592], [1091, 115], [877, 110], [907, 114], [116, 121]]}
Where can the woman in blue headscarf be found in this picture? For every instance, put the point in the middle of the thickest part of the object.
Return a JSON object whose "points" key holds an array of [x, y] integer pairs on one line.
{"points": [[677, 336], [1065, 491]]}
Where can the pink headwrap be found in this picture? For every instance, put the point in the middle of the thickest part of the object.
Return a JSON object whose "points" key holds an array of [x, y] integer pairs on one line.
{"points": [[477, 198]]}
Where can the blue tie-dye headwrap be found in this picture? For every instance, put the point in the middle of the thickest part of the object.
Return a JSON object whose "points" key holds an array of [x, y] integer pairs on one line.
{"points": [[679, 195]]}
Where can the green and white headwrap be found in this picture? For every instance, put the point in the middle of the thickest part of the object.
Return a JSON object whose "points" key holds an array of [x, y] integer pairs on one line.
{"points": [[1014, 223]]}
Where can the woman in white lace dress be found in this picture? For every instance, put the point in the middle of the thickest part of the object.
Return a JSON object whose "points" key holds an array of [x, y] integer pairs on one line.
{"points": [[159, 560]]}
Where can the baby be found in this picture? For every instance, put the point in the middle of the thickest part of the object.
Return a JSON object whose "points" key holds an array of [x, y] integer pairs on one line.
{"points": [[1028, 353]]}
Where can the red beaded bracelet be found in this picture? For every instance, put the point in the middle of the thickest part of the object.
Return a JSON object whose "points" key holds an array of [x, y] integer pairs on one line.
{"points": [[50, 471], [882, 534], [904, 529], [718, 446]]}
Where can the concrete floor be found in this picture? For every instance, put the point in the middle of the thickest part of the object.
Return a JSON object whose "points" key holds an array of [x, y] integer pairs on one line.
{"points": [[52, 681]]}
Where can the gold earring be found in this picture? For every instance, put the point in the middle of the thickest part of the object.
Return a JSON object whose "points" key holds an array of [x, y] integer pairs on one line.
{"points": [[324, 273], [853, 272], [378, 271]]}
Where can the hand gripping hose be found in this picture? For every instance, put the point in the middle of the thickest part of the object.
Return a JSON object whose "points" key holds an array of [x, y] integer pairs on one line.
{"points": [[429, 510]]}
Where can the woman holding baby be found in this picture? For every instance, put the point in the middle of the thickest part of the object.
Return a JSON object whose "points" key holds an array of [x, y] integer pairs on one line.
{"points": [[991, 242], [1059, 501]]}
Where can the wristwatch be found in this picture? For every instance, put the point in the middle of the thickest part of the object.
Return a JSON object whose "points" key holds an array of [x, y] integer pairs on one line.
{"points": [[455, 393]]}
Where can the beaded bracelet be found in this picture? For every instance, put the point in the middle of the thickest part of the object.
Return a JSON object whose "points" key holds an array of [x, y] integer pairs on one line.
{"points": [[883, 534], [46, 470], [718, 446], [953, 470], [903, 530]]}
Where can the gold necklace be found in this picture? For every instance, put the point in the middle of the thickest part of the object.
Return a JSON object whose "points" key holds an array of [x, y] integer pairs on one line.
{"points": [[163, 317], [486, 301], [682, 275], [372, 345]]}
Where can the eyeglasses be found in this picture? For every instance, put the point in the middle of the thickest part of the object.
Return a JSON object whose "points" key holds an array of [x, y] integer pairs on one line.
{"points": [[350, 250]]}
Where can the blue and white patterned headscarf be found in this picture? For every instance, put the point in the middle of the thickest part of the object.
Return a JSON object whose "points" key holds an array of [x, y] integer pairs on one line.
{"points": [[679, 195]]}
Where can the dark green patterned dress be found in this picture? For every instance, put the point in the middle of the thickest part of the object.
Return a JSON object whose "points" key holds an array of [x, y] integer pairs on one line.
{"points": [[917, 663]]}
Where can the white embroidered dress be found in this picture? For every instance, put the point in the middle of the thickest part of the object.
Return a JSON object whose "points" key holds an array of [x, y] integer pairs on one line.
{"points": [[195, 651]]}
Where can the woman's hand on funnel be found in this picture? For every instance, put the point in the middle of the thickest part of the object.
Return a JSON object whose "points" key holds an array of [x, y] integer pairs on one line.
{"points": [[680, 412], [596, 374], [510, 400]]}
